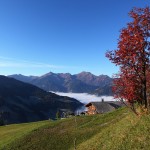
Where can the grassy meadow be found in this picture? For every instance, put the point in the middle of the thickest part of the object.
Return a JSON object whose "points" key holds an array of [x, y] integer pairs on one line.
{"points": [[121, 130]]}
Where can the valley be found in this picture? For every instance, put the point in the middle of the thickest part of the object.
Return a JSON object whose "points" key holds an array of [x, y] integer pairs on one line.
{"points": [[22, 102]]}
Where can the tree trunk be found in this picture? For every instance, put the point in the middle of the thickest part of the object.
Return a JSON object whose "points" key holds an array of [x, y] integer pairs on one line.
{"points": [[145, 95], [145, 87], [145, 99]]}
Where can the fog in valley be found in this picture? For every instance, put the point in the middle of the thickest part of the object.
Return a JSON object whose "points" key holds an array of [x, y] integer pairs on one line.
{"points": [[86, 98]]}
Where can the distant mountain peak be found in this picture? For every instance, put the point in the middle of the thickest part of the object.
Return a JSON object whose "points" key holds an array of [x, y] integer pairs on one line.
{"points": [[47, 74], [84, 82], [17, 75], [102, 75], [85, 72]]}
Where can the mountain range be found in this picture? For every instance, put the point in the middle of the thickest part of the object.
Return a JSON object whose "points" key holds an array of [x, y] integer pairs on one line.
{"points": [[84, 82], [23, 102]]}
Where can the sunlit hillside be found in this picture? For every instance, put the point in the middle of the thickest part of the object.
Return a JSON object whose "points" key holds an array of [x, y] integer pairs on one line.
{"points": [[120, 129]]}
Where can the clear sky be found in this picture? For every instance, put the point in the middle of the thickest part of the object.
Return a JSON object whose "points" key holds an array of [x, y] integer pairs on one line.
{"points": [[62, 36]]}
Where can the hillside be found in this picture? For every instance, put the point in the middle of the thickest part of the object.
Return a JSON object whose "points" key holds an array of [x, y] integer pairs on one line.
{"points": [[120, 130], [23, 102], [84, 82]]}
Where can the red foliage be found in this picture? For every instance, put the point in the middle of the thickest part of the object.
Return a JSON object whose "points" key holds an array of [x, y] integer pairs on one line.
{"points": [[133, 57]]}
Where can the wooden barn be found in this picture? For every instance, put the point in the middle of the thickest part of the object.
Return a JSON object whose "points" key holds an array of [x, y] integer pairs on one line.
{"points": [[102, 107]]}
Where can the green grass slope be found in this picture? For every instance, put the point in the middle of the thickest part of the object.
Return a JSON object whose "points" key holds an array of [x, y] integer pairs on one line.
{"points": [[118, 130], [11, 133]]}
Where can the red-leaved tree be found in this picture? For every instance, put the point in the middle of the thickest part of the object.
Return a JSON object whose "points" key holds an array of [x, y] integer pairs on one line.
{"points": [[133, 57]]}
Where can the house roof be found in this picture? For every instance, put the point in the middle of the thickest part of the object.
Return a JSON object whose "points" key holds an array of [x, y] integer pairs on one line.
{"points": [[103, 107]]}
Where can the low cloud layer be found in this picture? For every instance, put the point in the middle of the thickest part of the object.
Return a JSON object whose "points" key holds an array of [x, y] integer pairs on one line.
{"points": [[86, 98]]}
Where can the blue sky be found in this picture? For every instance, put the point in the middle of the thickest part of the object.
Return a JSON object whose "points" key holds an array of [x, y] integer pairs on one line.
{"points": [[39, 36]]}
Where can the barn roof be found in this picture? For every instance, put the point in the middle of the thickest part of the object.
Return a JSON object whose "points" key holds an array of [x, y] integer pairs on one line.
{"points": [[103, 107]]}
